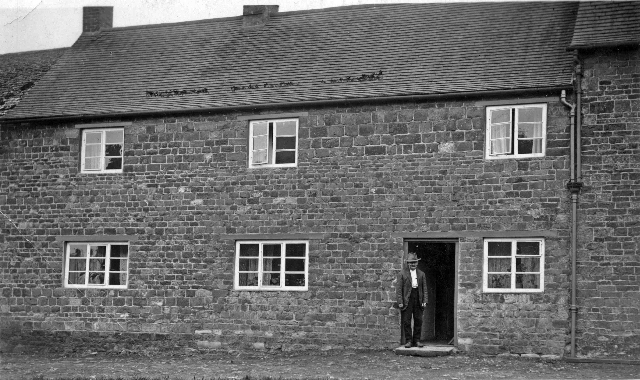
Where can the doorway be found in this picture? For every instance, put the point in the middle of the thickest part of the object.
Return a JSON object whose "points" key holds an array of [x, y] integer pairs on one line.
{"points": [[438, 262]]}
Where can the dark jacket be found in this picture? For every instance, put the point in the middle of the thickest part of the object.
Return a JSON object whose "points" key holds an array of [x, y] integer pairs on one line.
{"points": [[403, 287]]}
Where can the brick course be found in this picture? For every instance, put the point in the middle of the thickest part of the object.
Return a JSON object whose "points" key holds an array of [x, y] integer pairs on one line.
{"points": [[365, 173]]}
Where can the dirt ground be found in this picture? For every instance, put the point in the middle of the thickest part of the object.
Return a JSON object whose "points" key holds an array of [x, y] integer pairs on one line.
{"points": [[315, 365]]}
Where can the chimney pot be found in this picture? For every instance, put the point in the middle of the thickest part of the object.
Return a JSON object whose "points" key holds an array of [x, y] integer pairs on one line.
{"points": [[257, 15], [96, 18]]}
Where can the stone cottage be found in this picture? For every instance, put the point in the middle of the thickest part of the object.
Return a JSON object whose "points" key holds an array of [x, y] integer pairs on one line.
{"points": [[255, 181]]}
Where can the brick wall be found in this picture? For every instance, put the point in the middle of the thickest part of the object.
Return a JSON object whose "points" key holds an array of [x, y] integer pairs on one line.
{"points": [[365, 174], [609, 261]]}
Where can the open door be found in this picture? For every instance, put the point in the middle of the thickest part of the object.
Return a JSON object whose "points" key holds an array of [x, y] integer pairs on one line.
{"points": [[438, 262]]}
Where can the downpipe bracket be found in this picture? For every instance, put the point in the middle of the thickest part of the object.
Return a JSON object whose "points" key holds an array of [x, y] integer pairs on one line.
{"points": [[574, 187]]}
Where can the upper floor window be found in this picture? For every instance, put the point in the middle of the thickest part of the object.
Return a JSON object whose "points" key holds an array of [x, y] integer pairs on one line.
{"points": [[272, 265], [273, 143], [96, 265], [513, 265], [102, 150], [516, 131]]}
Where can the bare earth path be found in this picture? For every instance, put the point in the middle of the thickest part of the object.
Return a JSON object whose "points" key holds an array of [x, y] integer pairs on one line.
{"points": [[321, 365]]}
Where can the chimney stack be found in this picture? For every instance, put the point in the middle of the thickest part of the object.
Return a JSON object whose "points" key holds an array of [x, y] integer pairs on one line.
{"points": [[257, 15], [96, 18]]}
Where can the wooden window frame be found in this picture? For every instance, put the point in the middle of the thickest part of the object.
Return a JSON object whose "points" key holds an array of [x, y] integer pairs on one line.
{"points": [[271, 147], [83, 142], [261, 271], [514, 112], [106, 270], [513, 272]]}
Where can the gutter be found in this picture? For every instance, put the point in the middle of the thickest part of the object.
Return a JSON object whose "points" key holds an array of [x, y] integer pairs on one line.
{"points": [[310, 103], [574, 185]]}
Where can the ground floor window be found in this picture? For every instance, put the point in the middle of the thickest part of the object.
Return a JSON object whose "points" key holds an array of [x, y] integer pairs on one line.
{"points": [[513, 265], [272, 265], [96, 265]]}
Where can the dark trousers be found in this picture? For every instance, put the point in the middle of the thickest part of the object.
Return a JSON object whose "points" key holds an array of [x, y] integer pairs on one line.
{"points": [[413, 310]]}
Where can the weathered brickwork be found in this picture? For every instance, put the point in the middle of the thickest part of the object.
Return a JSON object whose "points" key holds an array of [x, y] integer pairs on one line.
{"points": [[365, 174], [609, 239]]}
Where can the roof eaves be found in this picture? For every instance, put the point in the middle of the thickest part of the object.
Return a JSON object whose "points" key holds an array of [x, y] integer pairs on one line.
{"points": [[309, 103]]}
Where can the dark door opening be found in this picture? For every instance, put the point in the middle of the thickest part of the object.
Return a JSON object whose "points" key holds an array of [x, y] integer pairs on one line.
{"points": [[437, 261]]}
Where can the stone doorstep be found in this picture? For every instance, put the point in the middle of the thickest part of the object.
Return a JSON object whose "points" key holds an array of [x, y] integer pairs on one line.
{"points": [[425, 351]]}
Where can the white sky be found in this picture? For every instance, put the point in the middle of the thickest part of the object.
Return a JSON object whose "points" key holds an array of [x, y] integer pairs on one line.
{"points": [[47, 24]]}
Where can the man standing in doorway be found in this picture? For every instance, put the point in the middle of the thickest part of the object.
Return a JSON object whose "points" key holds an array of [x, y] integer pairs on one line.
{"points": [[411, 293]]}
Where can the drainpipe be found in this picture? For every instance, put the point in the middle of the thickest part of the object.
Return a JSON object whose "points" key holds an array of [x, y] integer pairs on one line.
{"points": [[574, 185]]}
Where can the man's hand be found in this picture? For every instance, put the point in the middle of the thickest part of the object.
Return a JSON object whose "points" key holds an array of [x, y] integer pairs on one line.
{"points": [[400, 305], [424, 304]]}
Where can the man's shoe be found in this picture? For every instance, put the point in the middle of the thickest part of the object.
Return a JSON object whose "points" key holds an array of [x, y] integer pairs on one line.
{"points": [[407, 345], [419, 344]]}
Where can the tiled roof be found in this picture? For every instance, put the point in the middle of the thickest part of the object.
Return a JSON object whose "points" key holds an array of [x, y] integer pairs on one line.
{"points": [[330, 54], [20, 71], [607, 23]]}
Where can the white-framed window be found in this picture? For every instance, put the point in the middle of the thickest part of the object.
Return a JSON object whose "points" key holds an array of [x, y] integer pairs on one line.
{"points": [[102, 150], [96, 265], [272, 265], [273, 143], [516, 131], [513, 265]]}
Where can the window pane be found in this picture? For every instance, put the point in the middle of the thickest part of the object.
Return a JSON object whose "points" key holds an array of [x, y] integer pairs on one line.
{"points": [[77, 264], [528, 248], [499, 248], [273, 250], [499, 281], [294, 279], [98, 251], [114, 137], [118, 265], [527, 264], [249, 250], [530, 114], [113, 163], [529, 130], [92, 163], [271, 279], [76, 279], [286, 128], [286, 157], [296, 250], [93, 151], [119, 250], [248, 279], [527, 281], [537, 146], [93, 137], [260, 157], [260, 142], [260, 128], [77, 250], [525, 146], [96, 278], [117, 278], [501, 116], [294, 265], [499, 265], [113, 150], [285, 142], [271, 265], [248, 265]]}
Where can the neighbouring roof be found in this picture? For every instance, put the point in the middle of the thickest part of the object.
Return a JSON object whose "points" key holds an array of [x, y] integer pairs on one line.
{"points": [[330, 54], [20, 71], [607, 23]]}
